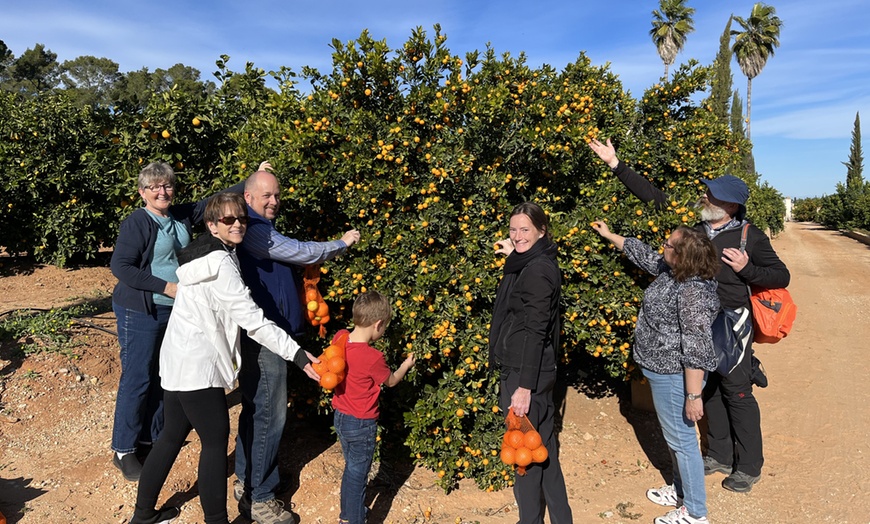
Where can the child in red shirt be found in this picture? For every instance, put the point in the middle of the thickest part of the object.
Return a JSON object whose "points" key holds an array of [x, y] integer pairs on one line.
{"points": [[356, 399]]}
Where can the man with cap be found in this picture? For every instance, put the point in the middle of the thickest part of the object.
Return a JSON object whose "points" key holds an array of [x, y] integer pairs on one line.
{"points": [[733, 416]]}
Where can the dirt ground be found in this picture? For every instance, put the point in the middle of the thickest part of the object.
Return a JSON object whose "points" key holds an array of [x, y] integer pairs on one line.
{"points": [[56, 420]]}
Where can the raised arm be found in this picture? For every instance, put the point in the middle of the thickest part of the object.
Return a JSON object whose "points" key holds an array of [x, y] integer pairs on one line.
{"points": [[638, 185]]}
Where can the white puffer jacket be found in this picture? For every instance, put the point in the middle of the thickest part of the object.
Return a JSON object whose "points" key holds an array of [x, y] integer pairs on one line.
{"points": [[201, 347]]}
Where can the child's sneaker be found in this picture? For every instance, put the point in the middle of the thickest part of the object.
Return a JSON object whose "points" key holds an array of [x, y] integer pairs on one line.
{"points": [[665, 496], [680, 516]]}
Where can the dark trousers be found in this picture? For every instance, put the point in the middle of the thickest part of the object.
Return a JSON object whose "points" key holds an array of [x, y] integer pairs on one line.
{"points": [[204, 410], [734, 419], [543, 486]]}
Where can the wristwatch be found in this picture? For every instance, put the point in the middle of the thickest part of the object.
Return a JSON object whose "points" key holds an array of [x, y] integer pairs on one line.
{"points": [[692, 396]]}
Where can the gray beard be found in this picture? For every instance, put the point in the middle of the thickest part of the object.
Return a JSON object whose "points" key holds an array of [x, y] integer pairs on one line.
{"points": [[711, 213]]}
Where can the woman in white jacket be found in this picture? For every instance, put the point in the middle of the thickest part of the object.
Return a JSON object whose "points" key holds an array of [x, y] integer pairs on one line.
{"points": [[200, 359]]}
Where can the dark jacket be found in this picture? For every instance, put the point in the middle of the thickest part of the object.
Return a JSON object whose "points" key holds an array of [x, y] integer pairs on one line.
{"points": [[131, 259], [764, 269], [524, 332], [274, 285]]}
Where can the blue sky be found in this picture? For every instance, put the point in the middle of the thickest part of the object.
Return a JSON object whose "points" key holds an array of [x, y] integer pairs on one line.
{"points": [[803, 103]]}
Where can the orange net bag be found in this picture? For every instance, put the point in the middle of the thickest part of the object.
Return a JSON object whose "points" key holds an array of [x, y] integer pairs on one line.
{"points": [[522, 444], [332, 367], [316, 309]]}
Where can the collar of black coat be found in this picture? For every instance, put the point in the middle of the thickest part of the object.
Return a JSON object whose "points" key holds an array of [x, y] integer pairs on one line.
{"points": [[517, 261]]}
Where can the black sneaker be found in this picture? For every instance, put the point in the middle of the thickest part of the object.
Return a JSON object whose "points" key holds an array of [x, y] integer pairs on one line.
{"points": [[129, 465], [712, 465], [740, 482], [163, 516], [758, 376]]}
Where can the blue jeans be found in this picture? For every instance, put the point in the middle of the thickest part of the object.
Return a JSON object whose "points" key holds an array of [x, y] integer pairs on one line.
{"points": [[263, 382], [669, 399], [358, 437], [139, 403]]}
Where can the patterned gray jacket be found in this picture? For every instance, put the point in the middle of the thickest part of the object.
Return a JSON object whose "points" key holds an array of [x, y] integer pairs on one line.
{"points": [[673, 326]]}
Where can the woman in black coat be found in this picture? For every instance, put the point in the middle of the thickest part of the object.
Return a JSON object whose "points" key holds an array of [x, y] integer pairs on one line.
{"points": [[523, 338]]}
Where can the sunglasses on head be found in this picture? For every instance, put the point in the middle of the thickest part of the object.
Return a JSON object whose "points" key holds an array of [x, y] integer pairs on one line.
{"points": [[230, 220]]}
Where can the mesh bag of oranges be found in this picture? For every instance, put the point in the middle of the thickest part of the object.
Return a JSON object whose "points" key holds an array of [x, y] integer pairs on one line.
{"points": [[332, 367], [317, 311], [522, 444]]}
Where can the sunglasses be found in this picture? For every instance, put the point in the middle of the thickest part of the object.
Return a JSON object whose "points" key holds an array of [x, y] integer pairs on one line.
{"points": [[230, 220]]}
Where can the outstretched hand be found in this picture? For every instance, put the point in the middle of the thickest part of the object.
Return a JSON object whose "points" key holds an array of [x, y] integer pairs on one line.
{"points": [[601, 228], [605, 152], [504, 246], [265, 166], [351, 237]]}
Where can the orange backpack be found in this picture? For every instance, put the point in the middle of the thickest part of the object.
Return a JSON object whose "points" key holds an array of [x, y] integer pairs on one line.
{"points": [[773, 310]]}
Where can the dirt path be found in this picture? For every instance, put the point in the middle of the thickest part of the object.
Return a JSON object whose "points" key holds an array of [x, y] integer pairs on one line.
{"points": [[54, 459]]}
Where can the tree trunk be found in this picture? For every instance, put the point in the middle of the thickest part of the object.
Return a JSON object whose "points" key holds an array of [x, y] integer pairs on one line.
{"points": [[748, 108]]}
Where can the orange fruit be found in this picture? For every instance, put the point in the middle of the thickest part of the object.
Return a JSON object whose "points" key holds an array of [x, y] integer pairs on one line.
{"points": [[532, 440], [320, 367], [336, 364], [523, 456], [540, 454], [514, 438], [329, 380], [322, 310], [311, 295], [333, 351], [324, 319], [508, 455]]}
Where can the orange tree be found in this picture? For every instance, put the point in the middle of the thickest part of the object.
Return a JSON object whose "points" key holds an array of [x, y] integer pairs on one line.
{"points": [[70, 174], [53, 180], [426, 152]]}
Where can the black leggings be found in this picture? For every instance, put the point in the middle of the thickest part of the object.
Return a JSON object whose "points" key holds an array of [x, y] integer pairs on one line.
{"points": [[204, 410]]}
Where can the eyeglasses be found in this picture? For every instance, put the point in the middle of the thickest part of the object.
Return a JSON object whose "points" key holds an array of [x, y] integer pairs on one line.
{"points": [[166, 187], [230, 220], [668, 246]]}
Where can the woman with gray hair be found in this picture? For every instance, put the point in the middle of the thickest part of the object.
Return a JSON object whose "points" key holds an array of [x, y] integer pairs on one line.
{"points": [[144, 262]]}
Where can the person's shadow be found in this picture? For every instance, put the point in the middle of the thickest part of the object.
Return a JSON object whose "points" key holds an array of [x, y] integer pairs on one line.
{"points": [[14, 495]]}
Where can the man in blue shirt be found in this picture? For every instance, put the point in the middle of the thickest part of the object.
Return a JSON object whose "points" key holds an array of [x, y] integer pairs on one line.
{"points": [[269, 262]]}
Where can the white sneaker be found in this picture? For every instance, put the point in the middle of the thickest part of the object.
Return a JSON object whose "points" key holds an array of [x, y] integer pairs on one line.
{"points": [[665, 496], [680, 516]]}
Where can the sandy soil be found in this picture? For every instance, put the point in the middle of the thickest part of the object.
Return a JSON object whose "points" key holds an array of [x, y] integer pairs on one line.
{"points": [[56, 417]]}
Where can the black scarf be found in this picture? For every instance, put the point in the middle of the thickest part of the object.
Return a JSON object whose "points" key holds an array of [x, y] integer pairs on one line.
{"points": [[203, 245], [517, 261]]}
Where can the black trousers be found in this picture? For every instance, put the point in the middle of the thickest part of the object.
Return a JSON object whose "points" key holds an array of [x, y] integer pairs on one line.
{"points": [[204, 410], [734, 419], [543, 485]]}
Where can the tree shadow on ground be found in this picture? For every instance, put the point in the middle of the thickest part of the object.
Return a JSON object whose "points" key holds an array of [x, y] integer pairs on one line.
{"points": [[586, 374]]}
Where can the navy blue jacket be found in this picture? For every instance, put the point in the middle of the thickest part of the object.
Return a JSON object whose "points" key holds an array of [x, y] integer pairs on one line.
{"points": [[131, 260]]}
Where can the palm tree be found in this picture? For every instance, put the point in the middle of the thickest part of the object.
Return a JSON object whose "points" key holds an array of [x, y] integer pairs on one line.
{"points": [[754, 45], [670, 26]]}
